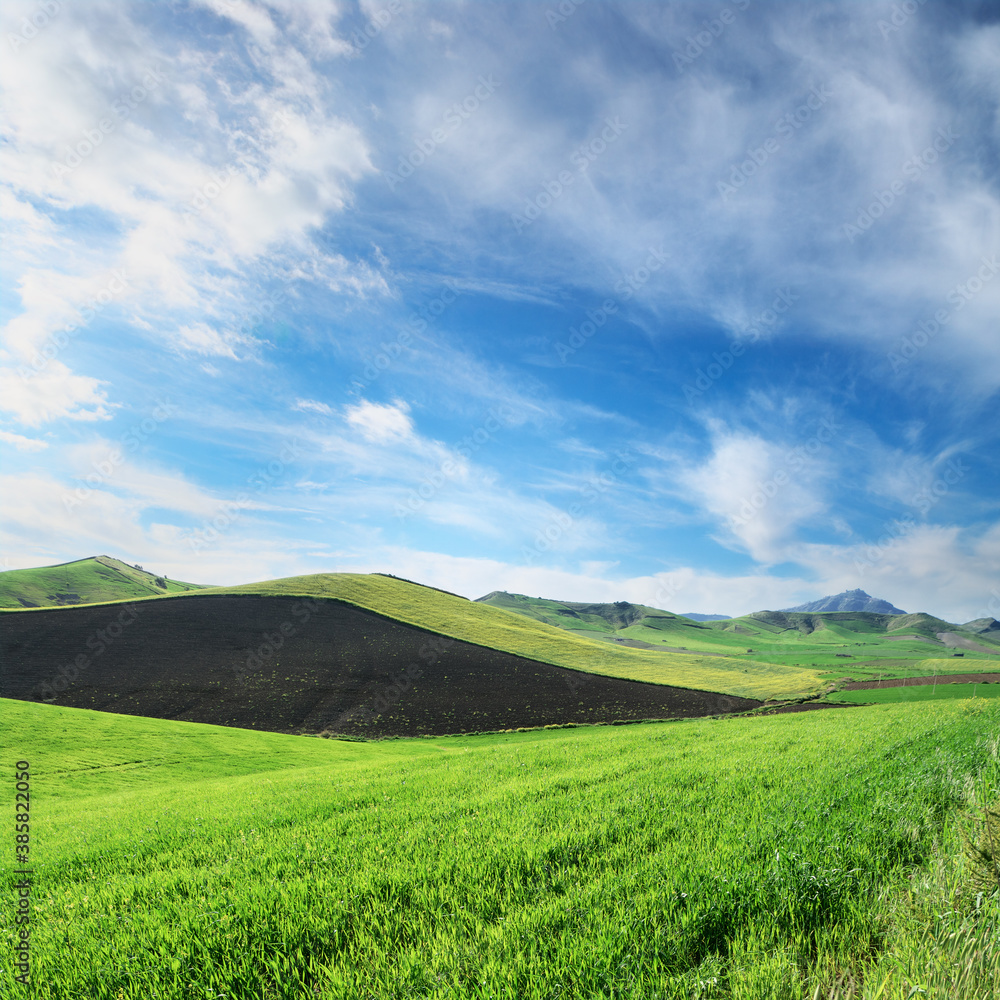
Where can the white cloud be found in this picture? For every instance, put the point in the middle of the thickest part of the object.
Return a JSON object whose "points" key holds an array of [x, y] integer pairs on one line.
{"points": [[199, 338], [53, 393], [759, 493], [202, 182], [313, 406], [22, 443], [381, 423], [251, 16], [102, 466]]}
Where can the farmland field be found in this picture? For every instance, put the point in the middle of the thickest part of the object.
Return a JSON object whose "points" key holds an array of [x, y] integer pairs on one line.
{"points": [[861, 644], [918, 668], [441, 614], [927, 692], [291, 666], [746, 858]]}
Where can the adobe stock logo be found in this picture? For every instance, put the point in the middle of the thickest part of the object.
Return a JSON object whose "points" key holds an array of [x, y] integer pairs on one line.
{"points": [[707, 377], [927, 329], [901, 13], [712, 29], [785, 126], [912, 170], [596, 318], [378, 23], [581, 158], [565, 10], [30, 26], [84, 314], [795, 461], [453, 120]]}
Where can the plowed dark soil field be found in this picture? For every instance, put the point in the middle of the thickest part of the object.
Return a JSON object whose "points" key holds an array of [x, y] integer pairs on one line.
{"points": [[292, 665]]}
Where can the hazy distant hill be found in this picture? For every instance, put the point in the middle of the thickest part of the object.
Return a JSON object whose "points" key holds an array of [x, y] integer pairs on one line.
{"points": [[695, 617], [982, 625], [849, 600], [801, 637]]}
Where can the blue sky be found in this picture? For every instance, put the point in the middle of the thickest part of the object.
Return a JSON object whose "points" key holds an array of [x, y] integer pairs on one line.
{"points": [[690, 304]]}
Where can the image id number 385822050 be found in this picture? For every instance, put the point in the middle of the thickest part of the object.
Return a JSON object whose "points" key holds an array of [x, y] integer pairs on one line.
{"points": [[22, 888]]}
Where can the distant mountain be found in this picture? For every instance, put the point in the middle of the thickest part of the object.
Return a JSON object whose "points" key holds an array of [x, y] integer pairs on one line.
{"points": [[849, 600], [800, 637]]}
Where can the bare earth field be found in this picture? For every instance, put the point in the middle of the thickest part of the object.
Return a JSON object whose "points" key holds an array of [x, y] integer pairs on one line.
{"points": [[292, 665]]}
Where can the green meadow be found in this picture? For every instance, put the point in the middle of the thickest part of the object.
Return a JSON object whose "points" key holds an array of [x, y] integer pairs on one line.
{"points": [[925, 692], [837, 643], [83, 581], [838, 853]]}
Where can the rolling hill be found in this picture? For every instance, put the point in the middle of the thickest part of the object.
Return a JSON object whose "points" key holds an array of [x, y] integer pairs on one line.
{"points": [[818, 639], [290, 665], [378, 655], [362, 655], [496, 628], [84, 581]]}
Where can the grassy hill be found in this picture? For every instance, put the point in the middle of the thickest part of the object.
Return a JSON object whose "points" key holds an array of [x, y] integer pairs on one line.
{"points": [[603, 619], [84, 581], [814, 639], [736, 859], [536, 639], [447, 614], [766, 655]]}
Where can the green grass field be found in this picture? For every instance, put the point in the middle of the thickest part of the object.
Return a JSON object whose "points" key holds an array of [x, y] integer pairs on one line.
{"points": [[740, 859], [928, 692], [859, 644], [85, 581], [912, 668]]}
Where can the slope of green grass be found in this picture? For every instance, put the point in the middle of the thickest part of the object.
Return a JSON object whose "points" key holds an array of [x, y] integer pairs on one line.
{"points": [[799, 639], [85, 581], [924, 692], [558, 613], [919, 623], [499, 629], [737, 859]]}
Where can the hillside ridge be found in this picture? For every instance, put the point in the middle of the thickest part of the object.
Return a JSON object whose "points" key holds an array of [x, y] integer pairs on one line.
{"points": [[84, 581], [803, 638], [499, 629]]}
